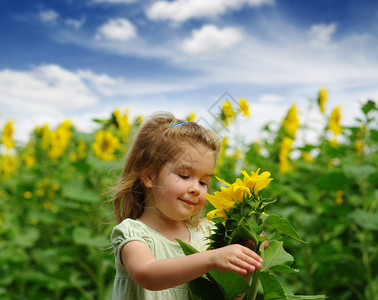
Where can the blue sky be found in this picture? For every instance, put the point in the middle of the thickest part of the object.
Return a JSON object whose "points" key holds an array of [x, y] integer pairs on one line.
{"points": [[82, 59]]}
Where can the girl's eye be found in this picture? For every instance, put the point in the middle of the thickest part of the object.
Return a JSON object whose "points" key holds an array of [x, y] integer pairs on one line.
{"points": [[203, 183]]}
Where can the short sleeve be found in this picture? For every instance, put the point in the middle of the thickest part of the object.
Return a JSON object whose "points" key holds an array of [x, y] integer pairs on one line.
{"points": [[127, 231]]}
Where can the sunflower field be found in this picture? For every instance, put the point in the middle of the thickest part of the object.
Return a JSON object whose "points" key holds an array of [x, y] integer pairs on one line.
{"points": [[55, 217]]}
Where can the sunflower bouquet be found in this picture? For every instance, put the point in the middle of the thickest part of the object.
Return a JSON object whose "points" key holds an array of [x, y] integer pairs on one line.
{"points": [[239, 217]]}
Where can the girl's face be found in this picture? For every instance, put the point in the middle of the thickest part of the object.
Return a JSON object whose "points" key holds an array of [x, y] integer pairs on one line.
{"points": [[180, 187]]}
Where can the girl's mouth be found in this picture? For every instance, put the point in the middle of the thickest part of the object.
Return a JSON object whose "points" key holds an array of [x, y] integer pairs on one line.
{"points": [[187, 201]]}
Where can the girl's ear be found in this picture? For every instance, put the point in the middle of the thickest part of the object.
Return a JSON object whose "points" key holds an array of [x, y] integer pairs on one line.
{"points": [[146, 178]]}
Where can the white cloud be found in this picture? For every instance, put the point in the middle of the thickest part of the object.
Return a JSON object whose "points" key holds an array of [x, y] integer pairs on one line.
{"points": [[182, 10], [47, 88], [75, 23], [271, 98], [109, 87], [321, 34], [272, 60], [278, 58], [98, 80], [51, 89], [117, 30], [211, 39], [48, 16]]}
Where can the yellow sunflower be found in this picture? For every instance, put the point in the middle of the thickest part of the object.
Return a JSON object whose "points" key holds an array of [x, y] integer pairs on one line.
{"points": [[244, 107], [105, 145]]}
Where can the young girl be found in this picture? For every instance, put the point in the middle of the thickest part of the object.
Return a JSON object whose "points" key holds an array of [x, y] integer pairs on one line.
{"points": [[159, 198]]}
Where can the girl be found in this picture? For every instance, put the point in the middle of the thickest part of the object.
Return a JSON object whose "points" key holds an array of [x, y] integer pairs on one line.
{"points": [[159, 198]]}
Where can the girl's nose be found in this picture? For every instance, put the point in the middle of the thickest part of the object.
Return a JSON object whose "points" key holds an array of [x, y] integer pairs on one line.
{"points": [[194, 188]]}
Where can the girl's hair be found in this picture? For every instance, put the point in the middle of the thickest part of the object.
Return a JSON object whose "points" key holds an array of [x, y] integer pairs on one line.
{"points": [[155, 144]]}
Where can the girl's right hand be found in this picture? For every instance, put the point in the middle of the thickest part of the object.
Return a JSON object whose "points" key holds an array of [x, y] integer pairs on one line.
{"points": [[235, 258]]}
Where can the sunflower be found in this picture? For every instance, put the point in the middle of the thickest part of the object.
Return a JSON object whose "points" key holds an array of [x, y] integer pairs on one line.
{"points": [[244, 107], [7, 136], [105, 145], [334, 124], [291, 123], [228, 113], [256, 182], [322, 98], [251, 185]]}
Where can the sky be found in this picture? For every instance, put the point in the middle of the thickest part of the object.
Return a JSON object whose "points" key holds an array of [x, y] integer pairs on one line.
{"points": [[82, 59]]}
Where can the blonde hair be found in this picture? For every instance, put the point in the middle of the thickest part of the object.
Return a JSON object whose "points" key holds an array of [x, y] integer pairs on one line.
{"points": [[155, 144]]}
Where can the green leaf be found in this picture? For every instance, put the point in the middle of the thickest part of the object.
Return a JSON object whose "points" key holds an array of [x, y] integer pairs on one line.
{"points": [[82, 236], [358, 172], [188, 249], [12, 254], [307, 147], [368, 106], [283, 226], [371, 290], [102, 166], [203, 289], [27, 238], [271, 286], [78, 191], [332, 181], [266, 201], [34, 276], [275, 255], [374, 134], [251, 222], [283, 269], [274, 290], [232, 285], [290, 296], [296, 197], [306, 297], [364, 219]]}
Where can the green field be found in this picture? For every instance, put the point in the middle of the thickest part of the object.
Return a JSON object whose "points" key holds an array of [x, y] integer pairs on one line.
{"points": [[55, 217]]}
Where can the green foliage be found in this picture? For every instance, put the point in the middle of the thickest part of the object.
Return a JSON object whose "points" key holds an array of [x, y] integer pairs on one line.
{"points": [[55, 225], [331, 200], [202, 288], [283, 226], [218, 285], [55, 222], [275, 257]]}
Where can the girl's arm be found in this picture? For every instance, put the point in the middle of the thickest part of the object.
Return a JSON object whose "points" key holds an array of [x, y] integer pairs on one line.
{"points": [[155, 275]]}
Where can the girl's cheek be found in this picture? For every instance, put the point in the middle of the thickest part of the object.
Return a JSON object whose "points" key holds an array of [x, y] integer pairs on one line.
{"points": [[203, 199]]}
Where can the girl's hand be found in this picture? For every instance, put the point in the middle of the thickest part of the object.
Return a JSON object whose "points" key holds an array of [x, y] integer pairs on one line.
{"points": [[235, 258]]}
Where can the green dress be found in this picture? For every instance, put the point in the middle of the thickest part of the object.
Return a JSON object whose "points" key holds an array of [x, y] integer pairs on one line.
{"points": [[135, 230]]}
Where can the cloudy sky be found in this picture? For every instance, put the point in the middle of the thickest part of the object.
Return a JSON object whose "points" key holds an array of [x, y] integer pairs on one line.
{"points": [[82, 59]]}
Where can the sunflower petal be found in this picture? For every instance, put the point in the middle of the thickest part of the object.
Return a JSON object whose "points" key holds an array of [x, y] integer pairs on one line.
{"points": [[211, 214], [224, 182]]}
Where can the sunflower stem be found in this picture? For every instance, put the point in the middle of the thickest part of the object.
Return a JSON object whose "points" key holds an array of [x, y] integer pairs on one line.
{"points": [[254, 283]]}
